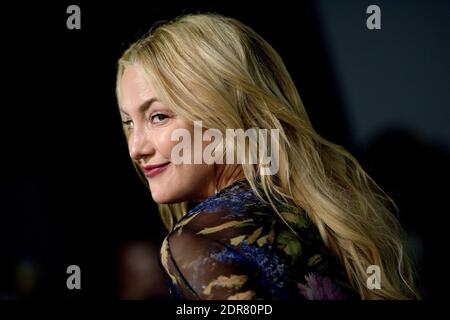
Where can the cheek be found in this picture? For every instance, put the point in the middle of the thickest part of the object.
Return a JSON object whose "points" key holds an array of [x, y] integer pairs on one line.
{"points": [[193, 181], [183, 183], [163, 143]]}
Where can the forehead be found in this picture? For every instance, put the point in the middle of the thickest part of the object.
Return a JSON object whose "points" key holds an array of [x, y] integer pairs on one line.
{"points": [[134, 89]]}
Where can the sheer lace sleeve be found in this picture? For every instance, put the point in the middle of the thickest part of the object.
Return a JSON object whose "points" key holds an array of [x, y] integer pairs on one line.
{"points": [[204, 261], [232, 246]]}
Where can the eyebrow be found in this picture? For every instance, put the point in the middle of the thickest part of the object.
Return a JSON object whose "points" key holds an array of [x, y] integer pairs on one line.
{"points": [[144, 106]]}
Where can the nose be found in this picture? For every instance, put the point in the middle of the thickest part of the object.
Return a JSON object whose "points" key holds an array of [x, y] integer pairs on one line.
{"points": [[139, 144]]}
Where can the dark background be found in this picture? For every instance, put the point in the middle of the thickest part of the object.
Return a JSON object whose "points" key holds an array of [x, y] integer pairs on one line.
{"points": [[69, 194]]}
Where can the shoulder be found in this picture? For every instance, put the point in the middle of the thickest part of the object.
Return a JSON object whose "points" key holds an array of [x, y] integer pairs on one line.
{"points": [[226, 241], [229, 217], [232, 243], [202, 255], [233, 239], [239, 221]]}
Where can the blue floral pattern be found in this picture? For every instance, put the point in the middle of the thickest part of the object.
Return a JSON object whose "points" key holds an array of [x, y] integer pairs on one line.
{"points": [[232, 246]]}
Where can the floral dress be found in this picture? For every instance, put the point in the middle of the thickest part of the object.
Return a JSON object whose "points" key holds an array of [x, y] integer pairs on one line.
{"points": [[232, 246]]}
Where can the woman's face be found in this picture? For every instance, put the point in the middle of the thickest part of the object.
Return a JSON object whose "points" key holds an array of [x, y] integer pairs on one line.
{"points": [[150, 127]]}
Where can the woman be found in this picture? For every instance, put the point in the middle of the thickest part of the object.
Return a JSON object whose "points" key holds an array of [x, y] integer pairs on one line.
{"points": [[311, 229]]}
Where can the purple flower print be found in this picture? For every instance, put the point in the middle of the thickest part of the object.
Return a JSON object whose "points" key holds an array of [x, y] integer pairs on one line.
{"points": [[319, 288]]}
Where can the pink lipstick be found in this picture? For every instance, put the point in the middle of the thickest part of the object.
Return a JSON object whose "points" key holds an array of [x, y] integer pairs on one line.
{"points": [[153, 170]]}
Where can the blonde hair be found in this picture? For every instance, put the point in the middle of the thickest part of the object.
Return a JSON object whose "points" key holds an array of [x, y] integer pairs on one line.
{"points": [[215, 69]]}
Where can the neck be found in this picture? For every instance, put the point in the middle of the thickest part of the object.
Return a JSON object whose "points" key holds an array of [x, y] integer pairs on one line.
{"points": [[225, 175]]}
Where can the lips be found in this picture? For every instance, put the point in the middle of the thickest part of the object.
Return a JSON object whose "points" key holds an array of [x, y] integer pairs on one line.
{"points": [[153, 170]]}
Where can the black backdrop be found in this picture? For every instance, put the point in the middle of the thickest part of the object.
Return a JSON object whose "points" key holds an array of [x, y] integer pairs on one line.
{"points": [[68, 192]]}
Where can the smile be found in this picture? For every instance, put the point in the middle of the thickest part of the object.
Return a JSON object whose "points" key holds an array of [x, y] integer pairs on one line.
{"points": [[152, 171]]}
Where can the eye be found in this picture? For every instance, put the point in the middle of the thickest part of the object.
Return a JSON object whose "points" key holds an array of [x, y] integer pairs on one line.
{"points": [[158, 118], [128, 124]]}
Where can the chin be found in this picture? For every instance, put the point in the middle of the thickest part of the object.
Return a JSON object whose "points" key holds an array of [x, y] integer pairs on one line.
{"points": [[168, 198], [161, 199]]}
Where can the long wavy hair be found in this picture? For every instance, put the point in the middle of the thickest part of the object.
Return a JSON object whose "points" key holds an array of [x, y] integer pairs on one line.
{"points": [[215, 69]]}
